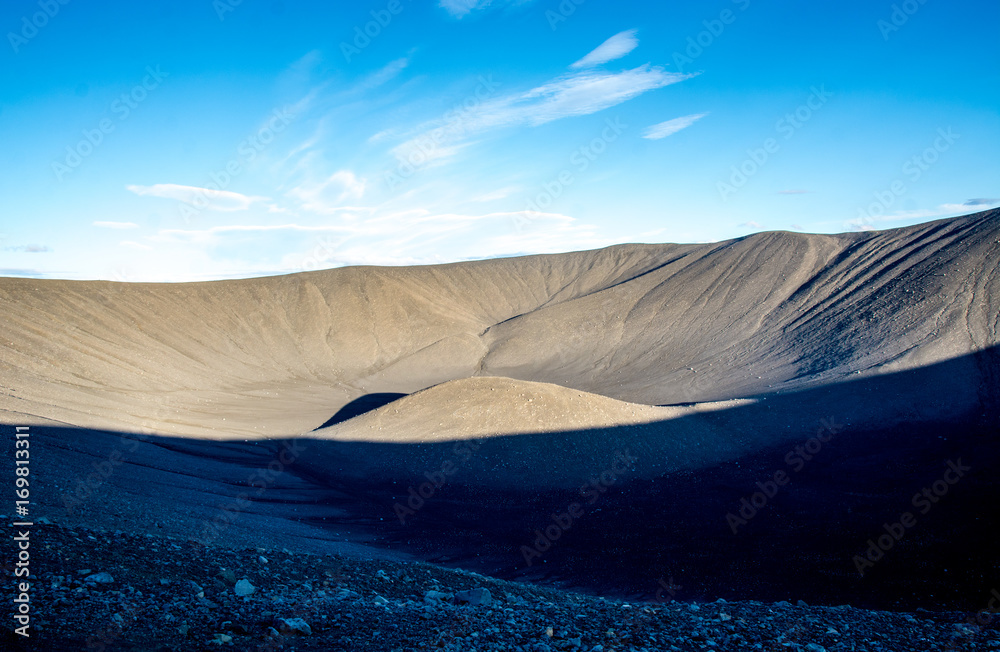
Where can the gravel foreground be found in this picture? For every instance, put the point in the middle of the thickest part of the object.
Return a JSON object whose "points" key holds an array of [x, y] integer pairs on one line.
{"points": [[116, 591]]}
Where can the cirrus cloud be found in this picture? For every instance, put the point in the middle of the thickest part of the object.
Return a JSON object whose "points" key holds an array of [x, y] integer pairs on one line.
{"points": [[664, 129], [615, 47], [202, 198]]}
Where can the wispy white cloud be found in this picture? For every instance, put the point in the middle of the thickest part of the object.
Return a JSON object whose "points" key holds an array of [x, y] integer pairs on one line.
{"points": [[202, 198], [460, 8], [500, 193], [570, 95], [205, 234], [615, 47], [135, 245], [403, 237], [575, 95], [664, 129], [943, 210], [328, 195], [116, 225], [30, 248], [384, 74]]}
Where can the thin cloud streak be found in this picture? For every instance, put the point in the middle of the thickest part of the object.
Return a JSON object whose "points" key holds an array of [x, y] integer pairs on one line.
{"points": [[615, 47], [670, 127], [116, 225], [220, 200]]}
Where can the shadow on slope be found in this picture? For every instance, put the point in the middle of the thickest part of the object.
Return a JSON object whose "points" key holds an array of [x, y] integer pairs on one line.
{"points": [[630, 531], [496, 504], [360, 406]]}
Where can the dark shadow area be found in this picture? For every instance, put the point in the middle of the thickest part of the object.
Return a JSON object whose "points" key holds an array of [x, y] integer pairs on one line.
{"points": [[663, 518], [360, 406]]}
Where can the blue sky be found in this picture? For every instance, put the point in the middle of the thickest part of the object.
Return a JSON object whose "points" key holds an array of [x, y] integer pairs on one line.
{"points": [[165, 141]]}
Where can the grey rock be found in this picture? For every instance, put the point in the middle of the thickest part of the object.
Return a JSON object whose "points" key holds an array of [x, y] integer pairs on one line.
{"points": [[244, 587], [474, 597], [294, 626], [100, 578], [437, 597], [347, 594]]}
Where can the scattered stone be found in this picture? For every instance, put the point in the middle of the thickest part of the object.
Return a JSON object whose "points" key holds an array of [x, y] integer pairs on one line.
{"points": [[244, 588], [474, 597], [222, 639], [294, 626], [262, 559], [347, 594], [100, 578], [435, 598], [228, 576]]}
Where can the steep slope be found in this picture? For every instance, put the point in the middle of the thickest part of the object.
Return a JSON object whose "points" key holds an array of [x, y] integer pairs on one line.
{"points": [[653, 324]]}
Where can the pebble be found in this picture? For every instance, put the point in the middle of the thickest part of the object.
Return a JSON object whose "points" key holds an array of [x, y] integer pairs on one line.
{"points": [[244, 588], [294, 626], [474, 597], [437, 597], [100, 578]]}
